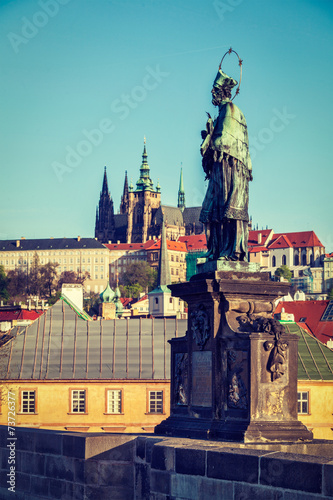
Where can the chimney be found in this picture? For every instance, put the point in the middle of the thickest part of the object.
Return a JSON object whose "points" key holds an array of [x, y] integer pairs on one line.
{"points": [[78, 238], [17, 243], [259, 238]]}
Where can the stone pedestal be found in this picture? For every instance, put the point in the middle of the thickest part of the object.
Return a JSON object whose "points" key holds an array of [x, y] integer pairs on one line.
{"points": [[234, 374]]}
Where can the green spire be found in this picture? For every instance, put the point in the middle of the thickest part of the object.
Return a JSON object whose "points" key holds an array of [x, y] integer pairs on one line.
{"points": [[181, 192], [145, 182]]}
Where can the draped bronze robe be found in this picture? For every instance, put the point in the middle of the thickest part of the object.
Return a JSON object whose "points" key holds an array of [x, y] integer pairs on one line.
{"points": [[227, 164]]}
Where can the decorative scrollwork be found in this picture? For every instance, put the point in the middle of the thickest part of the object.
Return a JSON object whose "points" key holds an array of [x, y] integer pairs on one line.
{"points": [[277, 347], [200, 326]]}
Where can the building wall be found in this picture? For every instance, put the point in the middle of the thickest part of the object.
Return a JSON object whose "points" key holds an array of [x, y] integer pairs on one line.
{"points": [[278, 254], [53, 405], [328, 274], [177, 263], [53, 400], [93, 261], [320, 416]]}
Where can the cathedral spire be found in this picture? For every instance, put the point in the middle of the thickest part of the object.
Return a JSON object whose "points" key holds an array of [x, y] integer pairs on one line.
{"points": [[104, 225], [145, 182], [105, 189], [124, 198], [181, 192]]}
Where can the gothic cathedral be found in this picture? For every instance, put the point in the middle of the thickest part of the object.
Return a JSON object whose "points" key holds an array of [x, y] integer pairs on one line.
{"points": [[141, 213]]}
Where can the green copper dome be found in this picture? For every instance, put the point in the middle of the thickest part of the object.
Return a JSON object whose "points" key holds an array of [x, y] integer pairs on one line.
{"points": [[108, 294]]}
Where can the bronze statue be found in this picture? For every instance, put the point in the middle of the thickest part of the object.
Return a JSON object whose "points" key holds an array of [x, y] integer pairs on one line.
{"points": [[227, 164]]}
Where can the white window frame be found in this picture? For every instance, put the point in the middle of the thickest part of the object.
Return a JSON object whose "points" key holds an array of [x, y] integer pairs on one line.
{"points": [[114, 401], [28, 401], [155, 403], [78, 397], [303, 399]]}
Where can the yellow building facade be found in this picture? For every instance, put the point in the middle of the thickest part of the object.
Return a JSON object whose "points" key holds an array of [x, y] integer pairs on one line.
{"points": [[129, 406]]}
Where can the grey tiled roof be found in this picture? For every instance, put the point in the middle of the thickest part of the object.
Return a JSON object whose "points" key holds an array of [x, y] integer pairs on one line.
{"points": [[191, 215], [61, 345], [49, 244], [172, 216]]}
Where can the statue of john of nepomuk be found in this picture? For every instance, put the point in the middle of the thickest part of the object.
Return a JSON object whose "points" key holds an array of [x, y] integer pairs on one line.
{"points": [[227, 164]]}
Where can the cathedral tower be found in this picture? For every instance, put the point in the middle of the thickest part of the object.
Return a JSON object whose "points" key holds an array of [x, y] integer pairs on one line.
{"points": [[142, 204]]}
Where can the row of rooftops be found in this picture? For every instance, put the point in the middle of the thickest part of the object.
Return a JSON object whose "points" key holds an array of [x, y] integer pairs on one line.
{"points": [[266, 239], [259, 240], [91, 243], [60, 346], [314, 316]]}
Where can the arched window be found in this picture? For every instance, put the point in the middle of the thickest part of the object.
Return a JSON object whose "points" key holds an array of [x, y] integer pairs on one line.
{"points": [[284, 260], [296, 259], [304, 259], [273, 261], [311, 260]]}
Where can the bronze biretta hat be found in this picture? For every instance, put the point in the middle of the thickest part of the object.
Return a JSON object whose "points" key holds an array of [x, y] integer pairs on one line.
{"points": [[224, 80]]}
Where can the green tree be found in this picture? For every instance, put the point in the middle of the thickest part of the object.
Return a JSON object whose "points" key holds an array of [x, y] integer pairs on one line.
{"points": [[3, 284], [48, 275], [34, 277], [131, 291], [283, 272], [139, 273], [330, 294], [17, 283], [72, 277], [91, 303]]}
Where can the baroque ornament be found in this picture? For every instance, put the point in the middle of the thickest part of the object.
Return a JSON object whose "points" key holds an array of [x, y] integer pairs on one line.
{"points": [[200, 326], [276, 346]]}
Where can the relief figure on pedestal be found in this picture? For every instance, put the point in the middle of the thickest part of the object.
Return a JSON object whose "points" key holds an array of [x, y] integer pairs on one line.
{"points": [[227, 165], [236, 388], [181, 378]]}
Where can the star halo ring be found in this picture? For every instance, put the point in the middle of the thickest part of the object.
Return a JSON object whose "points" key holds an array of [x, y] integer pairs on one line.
{"points": [[240, 63]]}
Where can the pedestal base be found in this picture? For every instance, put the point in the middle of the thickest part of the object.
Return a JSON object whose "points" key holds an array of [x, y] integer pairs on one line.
{"points": [[234, 374], [206, 266], [253, 432]]}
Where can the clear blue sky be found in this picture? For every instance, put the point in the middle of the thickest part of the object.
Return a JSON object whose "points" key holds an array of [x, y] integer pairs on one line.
{"points": [[145, 68]]}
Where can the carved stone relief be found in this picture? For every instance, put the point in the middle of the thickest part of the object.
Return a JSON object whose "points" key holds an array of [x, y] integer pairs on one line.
{"points": [[181, 378], [237, 394], [200, 326]]}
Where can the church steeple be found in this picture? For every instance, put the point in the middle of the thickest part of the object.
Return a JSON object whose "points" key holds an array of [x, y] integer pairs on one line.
{"points": [[164, 268], [104, 225], [145, 182], [181, 192], [105, 190], [124, 198]]}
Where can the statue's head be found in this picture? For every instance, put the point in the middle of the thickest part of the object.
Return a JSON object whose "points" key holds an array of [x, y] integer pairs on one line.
{"points": [[222, 87]]}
